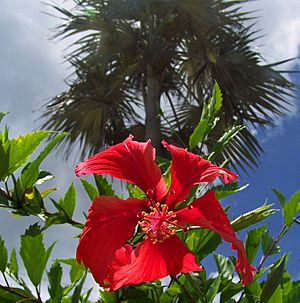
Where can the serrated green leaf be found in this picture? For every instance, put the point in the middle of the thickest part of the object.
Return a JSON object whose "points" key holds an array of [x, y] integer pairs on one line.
{"points": [[253, 240], [199, 133], [77, 291], [273, 280], [30, 173], [54, 277], [34, 254], [208, 118], [290, 208], [225, 266], [22, 147], [135, 192], [90, 189], [104, 188], [13, 263], [281, 198], [3, 256], [217, 98], [253, 217], [77, 270], [68, 203]]}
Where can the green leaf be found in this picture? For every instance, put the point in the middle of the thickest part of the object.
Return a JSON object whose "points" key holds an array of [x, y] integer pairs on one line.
{"points": [[277, 296], [104, 188], [55, 289], [216, 100], [230, 290], [208, 118], [77, 270], [225, 266], [252, 292], [290, 208], [109, 297], [228, 189], [267, 242], [273, 280], [3, 256], [294, 295], [2, 115], [213, 289], [286, 283], [90, 189], [77, 291], [43, 176], [202, 241], [199, 133], [253, 240], [30, 173], [15, 295], [22, 147], [281, 198], [13, 264], [68, 203], [4, 162], [135, 192], [34, 254], [170, 295], [253, 217]]}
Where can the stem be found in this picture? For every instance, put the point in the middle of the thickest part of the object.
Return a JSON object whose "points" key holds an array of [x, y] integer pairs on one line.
{"points": [[198, 290], [38, 295], [282, 232], [285, 228], [6, 282], [19, 294], [152, 109], [183, 288]]}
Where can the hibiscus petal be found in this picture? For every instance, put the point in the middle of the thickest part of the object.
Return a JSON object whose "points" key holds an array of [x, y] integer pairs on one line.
{"points": [[188, 169], [154, 261], [110, 222], [208, 213], [131, 161]]}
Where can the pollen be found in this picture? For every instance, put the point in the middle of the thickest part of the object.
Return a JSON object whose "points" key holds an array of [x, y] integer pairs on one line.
{"points": [[159, 224]]}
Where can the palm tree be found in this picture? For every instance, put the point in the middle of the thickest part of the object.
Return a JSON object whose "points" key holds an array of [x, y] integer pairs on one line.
{"points": [[135, 59]]}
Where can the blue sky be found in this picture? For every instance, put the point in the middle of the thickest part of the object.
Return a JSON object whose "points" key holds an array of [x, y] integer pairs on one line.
{"points": [[31, 72]]}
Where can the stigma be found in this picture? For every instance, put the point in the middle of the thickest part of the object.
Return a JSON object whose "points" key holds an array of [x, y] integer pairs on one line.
{"points": [[159, 224]]}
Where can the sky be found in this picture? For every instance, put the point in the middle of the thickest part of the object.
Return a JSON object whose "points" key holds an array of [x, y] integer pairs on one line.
{"points": [[32, 71]]}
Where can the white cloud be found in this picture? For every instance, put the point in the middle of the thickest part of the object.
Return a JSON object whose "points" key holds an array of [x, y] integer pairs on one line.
{"points": [[280, 22]]}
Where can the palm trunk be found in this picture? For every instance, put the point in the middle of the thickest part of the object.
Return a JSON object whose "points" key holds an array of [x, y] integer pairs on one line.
{"points": [[152, 106]]}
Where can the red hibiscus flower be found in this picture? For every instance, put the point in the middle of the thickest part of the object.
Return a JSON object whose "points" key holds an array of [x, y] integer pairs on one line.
{"points": [[111, 221]]}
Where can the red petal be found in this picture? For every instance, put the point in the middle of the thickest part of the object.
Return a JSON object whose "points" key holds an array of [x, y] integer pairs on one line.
{"points": [[130, 161], [110, 222], [208, 213], [154, 261], [187, 170]]}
